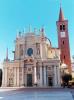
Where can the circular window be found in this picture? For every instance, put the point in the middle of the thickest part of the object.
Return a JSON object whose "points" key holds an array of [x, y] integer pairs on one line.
{"points": [[30, 51]]}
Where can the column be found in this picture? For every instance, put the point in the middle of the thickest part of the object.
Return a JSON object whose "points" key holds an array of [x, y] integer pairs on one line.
{"points": [[3, 78], [35, 77], [40, 75], [41, 51], [18, 76], [5, 75], [15, 83], [44, 75], [59, 76], [55, 77], [25, 79], [22, 76]]}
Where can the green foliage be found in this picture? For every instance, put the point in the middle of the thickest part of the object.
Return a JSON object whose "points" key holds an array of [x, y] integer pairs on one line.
{"points": [[66, 77]]}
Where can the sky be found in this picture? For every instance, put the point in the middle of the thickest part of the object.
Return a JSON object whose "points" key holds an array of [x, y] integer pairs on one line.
{"points": [[17, 15]]}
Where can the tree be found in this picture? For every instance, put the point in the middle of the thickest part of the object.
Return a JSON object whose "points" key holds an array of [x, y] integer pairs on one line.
{"points": [[66, 78]]}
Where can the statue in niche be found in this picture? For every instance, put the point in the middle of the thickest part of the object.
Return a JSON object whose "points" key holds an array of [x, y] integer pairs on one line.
{"points": [[38, 48], [38, 51]]}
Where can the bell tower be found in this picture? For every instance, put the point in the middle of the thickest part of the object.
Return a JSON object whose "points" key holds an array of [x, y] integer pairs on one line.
{"points": [[63, 39]]}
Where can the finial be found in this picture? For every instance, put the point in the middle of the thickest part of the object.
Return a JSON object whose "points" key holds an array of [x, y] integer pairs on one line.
{"points": [[35, 30], [7, 54], [29, 28], [16, 33], [19, 33], [42, 29], [39, 31], [24, 30]]}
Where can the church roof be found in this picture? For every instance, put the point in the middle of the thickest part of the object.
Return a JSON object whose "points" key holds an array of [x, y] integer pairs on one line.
{"points": [[61, 15]]}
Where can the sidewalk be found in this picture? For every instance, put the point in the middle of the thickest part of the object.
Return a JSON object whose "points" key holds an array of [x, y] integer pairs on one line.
{"points": [[4, 89]]}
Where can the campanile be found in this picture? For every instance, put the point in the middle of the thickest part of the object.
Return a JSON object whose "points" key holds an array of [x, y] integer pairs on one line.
{"points": [[63, 39]]}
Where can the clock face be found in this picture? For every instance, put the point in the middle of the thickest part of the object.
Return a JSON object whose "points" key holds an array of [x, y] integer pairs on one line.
{"points": [[63, 34], [30, 51]]}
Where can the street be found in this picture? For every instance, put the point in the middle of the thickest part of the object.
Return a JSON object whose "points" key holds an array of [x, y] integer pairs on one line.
{"points": [[38, 94]]}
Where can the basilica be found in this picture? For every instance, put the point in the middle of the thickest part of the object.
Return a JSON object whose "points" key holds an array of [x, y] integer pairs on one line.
{"points": [[36, 62]]}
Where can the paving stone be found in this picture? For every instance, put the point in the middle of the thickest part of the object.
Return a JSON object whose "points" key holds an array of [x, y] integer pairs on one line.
{"points": [[35, 95]]}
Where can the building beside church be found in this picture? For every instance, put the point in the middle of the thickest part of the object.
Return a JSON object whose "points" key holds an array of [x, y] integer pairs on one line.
{"points": [[36, 61], [72, 65]]}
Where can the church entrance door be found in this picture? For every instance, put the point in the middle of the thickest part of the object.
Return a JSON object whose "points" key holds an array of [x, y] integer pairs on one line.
{"points": [[50, 81], [29, 79]]}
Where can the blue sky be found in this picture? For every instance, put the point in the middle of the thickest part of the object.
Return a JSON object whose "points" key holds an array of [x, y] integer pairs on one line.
{"points": [[18, 14]]}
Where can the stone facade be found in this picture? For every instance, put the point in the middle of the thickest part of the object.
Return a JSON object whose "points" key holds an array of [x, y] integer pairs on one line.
{"points": [[35, 62]]}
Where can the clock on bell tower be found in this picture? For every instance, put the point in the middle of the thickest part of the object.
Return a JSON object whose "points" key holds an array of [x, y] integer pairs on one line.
{"points": [[63, 40]]}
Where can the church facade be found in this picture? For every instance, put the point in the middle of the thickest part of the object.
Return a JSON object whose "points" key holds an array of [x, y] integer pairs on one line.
{"points": [[36, 62]]}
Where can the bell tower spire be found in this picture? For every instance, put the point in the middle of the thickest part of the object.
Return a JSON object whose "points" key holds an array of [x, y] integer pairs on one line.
{"points": [[61, 15], [63, 39]]}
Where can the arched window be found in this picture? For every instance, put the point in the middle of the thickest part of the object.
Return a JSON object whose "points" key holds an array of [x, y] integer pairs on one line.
{"points": [[62, 27]]}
